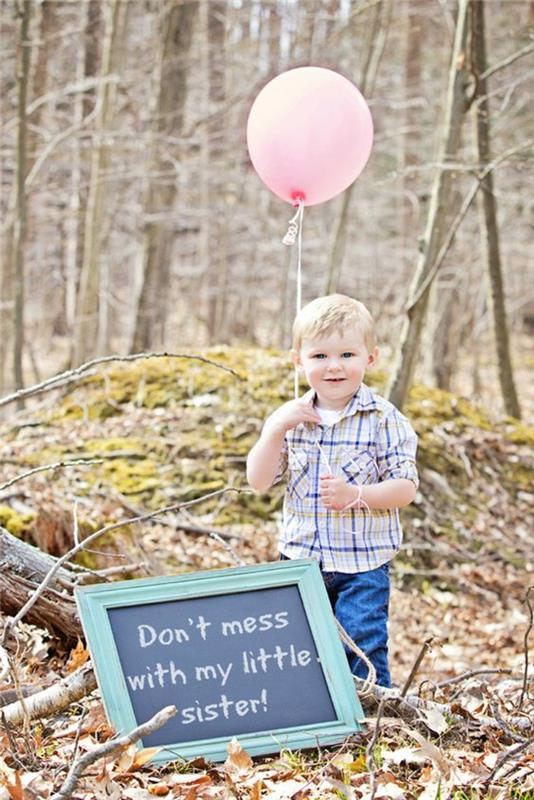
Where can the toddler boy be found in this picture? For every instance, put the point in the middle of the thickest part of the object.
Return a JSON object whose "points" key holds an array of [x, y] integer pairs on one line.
{"points": [[351, 460]]}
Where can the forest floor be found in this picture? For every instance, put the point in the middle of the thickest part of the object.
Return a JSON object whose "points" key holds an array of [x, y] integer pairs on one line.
{"points": [[171, 431]]}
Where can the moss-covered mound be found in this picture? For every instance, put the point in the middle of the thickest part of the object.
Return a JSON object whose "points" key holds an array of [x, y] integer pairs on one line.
{"points": [[172, 430]]}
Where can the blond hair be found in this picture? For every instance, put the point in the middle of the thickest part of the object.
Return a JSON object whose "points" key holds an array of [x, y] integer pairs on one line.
{"points": [[334, 312]]}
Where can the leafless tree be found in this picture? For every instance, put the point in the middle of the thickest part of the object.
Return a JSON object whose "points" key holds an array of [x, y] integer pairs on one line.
{"points": [[438, 216], [89, 293], [488, 214], [175, 32]]}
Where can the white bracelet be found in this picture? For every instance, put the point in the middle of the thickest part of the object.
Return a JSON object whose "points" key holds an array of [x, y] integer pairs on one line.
{"points": [[358, 503]]}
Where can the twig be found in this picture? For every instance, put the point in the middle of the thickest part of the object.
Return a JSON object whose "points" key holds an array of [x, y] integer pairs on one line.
{"points": [[507, 61], [369, 752], [409, 707], [72, 374], [75, 524], [77, 737], [121, 569], [472, 674], [113, 526], [110, 748], [45, 467], [71, 88], [203, 531], [503, 726], [513, 751], [236, 559], [525, 645], [13, 749], [417, 663], [468, 199], [54, 698]]}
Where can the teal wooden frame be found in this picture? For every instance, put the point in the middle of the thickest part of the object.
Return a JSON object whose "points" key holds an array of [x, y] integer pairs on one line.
{"points": [[94, 601]]}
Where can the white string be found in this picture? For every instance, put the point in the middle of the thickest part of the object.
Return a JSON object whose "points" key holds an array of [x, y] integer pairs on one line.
{"points": [[370, 681], [323, 456], [294, 234]]}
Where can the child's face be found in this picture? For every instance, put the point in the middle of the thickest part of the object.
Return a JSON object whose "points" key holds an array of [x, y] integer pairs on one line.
{"points": [[335, 366]]}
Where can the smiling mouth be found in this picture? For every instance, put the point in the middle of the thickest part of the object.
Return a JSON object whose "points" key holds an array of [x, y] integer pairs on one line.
{"points": [[334, 380]]}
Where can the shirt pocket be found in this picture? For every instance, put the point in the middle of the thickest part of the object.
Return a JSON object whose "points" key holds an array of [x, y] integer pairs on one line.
{"points": [[299, 478], [359, 466]]}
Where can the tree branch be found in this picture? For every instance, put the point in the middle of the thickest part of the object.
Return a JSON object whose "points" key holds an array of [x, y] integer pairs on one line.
{"points": [[468, 199], [110, 748], [74, 374], [507, 61], [525, 645], [54, 698], [46, 467], [81, 545]]}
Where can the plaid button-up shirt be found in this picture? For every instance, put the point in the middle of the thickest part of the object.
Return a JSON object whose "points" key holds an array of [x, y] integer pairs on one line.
{"points": [[371, 442]]}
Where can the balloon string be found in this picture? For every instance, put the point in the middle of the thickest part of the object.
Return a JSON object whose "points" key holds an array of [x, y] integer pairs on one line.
{"points": [[294, 234]]}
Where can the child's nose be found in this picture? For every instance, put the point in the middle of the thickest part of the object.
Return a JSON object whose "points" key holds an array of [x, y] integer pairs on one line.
{"points": [[334, 363]]}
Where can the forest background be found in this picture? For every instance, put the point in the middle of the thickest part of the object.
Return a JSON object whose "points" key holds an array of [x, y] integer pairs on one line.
{"points": [[133, 220]]}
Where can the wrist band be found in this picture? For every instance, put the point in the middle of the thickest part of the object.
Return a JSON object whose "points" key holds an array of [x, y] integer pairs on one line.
{"points": [[358, 503]]}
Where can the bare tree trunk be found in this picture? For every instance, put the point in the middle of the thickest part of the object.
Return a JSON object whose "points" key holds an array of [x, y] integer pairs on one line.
{"points": [[23, 70], [436, 226], [87, 67], [86, 326], [375, 45], [216, 219], [413, 60], [177, 20], [488, 216], [446, 334], [306, 20], [273, 32]]}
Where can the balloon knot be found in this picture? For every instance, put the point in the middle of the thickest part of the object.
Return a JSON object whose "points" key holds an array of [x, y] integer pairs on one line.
{"points": [[291, 236], [294, 226]]}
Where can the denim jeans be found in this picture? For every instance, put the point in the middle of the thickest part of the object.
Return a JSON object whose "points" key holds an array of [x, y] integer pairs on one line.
{"points": [[360, 603]]}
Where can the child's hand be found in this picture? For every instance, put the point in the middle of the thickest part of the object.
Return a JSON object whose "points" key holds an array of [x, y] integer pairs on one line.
{"points": [[335, 493], [292, 414]]}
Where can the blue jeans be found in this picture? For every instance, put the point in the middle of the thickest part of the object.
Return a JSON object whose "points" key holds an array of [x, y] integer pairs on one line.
{"points": [[360, 603]]}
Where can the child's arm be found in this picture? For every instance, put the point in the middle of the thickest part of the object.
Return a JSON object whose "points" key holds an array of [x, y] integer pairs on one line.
{"points": [[396, 446], [264, 458], [393, 493]]}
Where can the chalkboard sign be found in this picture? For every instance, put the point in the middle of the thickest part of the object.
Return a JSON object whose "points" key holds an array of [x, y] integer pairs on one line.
{"points": [[251, 652]]}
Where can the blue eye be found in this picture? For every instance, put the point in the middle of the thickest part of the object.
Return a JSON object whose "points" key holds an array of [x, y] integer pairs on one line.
{"points": [[347, 355], [319, 355]]}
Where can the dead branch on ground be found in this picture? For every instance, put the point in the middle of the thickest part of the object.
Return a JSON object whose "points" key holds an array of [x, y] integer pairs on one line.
{"points": [[49, 577], [54, 698], [111, 748]]}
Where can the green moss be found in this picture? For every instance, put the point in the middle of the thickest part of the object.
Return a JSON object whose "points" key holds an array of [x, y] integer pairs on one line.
{"points": [[131, 477], [14, 522], [518, 432], [113, 445], [209, 420]]}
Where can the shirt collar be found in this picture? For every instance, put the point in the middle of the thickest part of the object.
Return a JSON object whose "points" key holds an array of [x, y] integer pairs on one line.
{"points": [[363, 400]]}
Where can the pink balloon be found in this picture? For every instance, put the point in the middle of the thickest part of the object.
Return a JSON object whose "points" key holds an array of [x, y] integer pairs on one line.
{"points": [[309, 134]]}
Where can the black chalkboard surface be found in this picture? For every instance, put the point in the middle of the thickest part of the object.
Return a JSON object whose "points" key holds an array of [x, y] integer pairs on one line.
{"points": [[250, 652]]}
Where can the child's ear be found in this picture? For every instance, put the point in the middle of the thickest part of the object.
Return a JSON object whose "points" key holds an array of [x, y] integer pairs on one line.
{"points": [[295, 357], [373, 357]]}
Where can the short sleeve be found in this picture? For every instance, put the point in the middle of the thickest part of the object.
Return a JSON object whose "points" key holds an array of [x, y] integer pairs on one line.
{"points": [[396, 448], [282, 463]]}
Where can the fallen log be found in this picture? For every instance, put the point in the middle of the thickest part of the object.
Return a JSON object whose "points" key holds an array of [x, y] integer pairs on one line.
{"points": [[22, 568], [53, 699]]}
